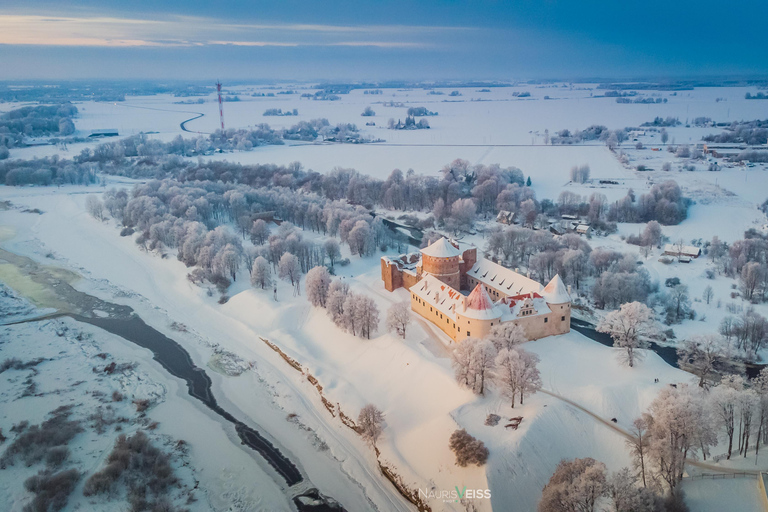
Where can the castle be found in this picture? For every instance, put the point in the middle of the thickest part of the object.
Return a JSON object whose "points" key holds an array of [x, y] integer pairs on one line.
{"points": [[436, 275]]}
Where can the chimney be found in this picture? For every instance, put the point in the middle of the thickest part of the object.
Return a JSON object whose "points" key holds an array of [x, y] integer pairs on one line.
{"points": [[569, 289], [437, 296]]}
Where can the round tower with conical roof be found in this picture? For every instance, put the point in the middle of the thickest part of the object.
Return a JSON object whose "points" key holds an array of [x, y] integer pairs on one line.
{"points": [[442, 259], [477, 315], [559, 301]]}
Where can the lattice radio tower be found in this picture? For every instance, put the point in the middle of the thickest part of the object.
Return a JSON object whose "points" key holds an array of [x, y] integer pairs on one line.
{"points": [[221, 107]]}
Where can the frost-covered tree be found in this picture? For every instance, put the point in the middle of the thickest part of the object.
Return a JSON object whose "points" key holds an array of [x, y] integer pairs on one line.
{"points": [[463, 213], [627, 327], [467, 449], [360, 239], [95, 207], [261, 275], [704, 356], [337, 297], [317, 285], [366, 316], [678, 304], [580, 174], [576, 486], [398, 318], [515, 373], [370, 423], [627, 496], [226, 262], [638, 445], [259, 232], [289, 269], [724, 399], [472, 362], [332, 250], [708, 294], [507, 335], [651, 235], [360, 315], [679, 427], [751, 278]]}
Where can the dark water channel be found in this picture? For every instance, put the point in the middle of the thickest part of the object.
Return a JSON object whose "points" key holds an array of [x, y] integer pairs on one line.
{"points": [[668, 354], [122, 321]]}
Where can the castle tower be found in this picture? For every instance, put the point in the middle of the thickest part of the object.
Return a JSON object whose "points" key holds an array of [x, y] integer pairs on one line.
{"points": [[477, 315], [559, 301], [441, 260]]}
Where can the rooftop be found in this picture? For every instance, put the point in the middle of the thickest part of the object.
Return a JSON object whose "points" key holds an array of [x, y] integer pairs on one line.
{"points": [[441, 249]]}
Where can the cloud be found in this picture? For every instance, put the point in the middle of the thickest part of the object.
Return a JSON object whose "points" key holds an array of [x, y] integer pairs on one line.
{"points": [[181, 31]]}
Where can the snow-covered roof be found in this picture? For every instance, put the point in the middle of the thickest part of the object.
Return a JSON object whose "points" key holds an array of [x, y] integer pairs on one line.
{"points": [[441, 249], [501, 278], [438, 295], [480, 305], [688, 250], [511, 306], [556, 292]]}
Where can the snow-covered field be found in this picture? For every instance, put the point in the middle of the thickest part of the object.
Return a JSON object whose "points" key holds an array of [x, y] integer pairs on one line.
{"points": [[410, 380]]}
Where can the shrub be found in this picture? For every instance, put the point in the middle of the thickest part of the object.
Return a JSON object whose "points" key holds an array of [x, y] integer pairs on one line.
{"points": [[51, 490], [468, 450], [56, 456], [34, 443]]}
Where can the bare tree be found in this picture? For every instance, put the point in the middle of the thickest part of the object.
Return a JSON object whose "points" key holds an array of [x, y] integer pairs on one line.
{"points": [[472, 361], [704, 356], [515, 373], [370, 423], [724, 398], [628, 326], [708, 294], [317, 285], [638, 445], [398, 318]]}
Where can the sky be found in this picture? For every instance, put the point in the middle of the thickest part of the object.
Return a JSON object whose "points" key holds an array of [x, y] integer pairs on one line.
{"points": [[382, 39]]}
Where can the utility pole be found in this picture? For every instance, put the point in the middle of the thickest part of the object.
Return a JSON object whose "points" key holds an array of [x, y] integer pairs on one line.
{"points": [[221, 107]]}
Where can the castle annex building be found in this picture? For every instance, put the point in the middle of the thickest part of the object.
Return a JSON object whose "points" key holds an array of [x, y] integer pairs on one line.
{"points": [[436, 276]]}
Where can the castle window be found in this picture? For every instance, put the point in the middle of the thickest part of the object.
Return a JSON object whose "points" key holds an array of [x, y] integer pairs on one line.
{"points": [[468, 333], [430, 309], [562, 318], [546, 320]]}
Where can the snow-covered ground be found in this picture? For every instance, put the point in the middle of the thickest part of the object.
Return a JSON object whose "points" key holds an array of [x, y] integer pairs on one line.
{"points": [[72, 373], [411, 380]]}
